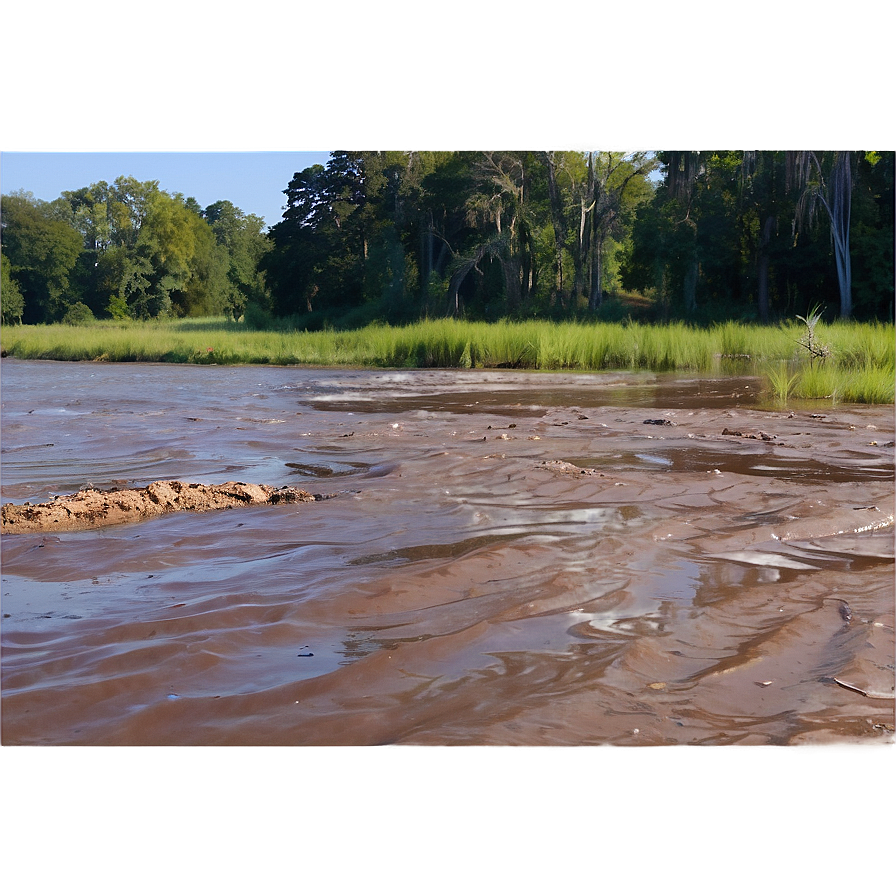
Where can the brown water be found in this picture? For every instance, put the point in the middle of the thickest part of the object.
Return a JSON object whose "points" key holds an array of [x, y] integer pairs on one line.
{"points": [[460, 587]]}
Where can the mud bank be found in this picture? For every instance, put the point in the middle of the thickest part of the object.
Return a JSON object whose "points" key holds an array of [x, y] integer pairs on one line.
{"points": [[92, 508]]}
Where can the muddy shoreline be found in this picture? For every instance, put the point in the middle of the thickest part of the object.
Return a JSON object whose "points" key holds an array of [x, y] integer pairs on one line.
{"points": [[92, 508], [508, 559]]}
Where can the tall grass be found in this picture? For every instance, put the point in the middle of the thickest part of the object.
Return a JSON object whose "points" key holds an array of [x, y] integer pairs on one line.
{"points": [[782, 381], [861, 366]]}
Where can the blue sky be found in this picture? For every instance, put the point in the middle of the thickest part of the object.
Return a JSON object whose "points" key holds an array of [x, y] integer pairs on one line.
{"points": [[253, 181]]}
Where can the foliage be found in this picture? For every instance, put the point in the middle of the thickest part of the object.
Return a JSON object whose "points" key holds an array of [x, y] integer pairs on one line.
{"points": [[738, 235], [130, 250], [11, 299], [41, 252], [78, 315], [398, 237]]}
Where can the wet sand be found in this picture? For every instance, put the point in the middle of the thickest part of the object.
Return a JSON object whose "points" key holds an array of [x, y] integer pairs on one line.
{"points": [[92, 508], [508, 558]]}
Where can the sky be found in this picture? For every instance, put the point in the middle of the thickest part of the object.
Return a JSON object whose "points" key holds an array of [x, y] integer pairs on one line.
{"points": [[252, 181]]}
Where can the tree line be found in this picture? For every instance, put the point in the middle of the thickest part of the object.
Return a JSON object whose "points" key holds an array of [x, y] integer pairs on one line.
{"points": [[400, 236], [127, 250]]}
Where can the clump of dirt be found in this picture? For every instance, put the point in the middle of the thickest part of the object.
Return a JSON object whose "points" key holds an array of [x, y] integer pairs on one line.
{"points": [[92, 508]]}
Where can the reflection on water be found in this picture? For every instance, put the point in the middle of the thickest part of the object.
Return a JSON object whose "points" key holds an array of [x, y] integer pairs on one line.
{"points": [[672, 585], [405, 393]]}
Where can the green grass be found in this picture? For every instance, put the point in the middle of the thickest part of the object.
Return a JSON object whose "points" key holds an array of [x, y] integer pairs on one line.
{"points": [[860, 369], [865, 385], [782, 381]]}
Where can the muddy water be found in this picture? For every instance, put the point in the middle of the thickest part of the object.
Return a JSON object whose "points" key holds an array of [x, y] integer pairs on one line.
{"points": [[507, 558]]}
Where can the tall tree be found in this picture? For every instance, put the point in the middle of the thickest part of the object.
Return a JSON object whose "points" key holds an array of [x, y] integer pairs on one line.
{"points": [[243, 243], [320, 244], [872, 235], [552, 161], [616, 184], [828, 182]]}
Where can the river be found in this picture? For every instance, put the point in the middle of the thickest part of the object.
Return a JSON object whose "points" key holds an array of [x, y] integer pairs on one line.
{"points": [[504, 557]]}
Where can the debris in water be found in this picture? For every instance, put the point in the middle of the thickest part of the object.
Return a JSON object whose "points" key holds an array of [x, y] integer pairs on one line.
{"points": [[873, 694]]}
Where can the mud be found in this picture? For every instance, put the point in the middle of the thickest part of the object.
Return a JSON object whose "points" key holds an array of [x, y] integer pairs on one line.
{"points": [[91, 508], [507, 558]]}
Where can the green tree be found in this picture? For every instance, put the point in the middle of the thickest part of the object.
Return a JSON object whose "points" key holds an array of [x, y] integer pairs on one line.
{"points": [[872, 236], [41, 252], [146, 253], [617, 183], [242, 240], [12, 303], [206, 290], [502, 211], [319, 247], [443, 222]]}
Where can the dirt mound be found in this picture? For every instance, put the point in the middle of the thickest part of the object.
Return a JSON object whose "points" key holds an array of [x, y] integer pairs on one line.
{"points": [[92, 508]]}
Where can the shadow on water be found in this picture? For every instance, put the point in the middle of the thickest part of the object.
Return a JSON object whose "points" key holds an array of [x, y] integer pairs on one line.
{"points": [[451, 551], [327, 470], [765, 464]]}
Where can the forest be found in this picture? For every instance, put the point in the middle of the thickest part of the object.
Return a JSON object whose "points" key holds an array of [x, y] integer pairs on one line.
{"points": [[396, 237]]}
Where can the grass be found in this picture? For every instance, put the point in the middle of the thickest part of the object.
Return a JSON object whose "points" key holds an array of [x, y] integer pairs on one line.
{"points": [[782, 381], [859, 369]]}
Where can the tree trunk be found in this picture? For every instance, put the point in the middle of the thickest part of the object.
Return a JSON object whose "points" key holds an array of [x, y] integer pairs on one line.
{"points": [[762, 289], [837, 203], [690, 286], [841, 202], [456, 305], [512, 280], [558, 223], [596, 292], [587, 237]]}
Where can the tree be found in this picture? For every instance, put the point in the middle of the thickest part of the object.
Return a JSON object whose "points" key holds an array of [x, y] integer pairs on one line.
{"points": [[12, 303], [872, 236], [616, 185], [558, 220], [146, 253], [206, 290], [41, 252], [660, 259], [157, 245], [241, 238], [829, 185], [444, 224], [499, 211]]}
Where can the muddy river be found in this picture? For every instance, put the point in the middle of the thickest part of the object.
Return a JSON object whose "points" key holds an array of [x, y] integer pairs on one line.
{"points": [[503, 558]]}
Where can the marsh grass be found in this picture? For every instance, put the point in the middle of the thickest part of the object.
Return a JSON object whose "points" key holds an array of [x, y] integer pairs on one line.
{"points": [[863, 385], [860, 367], [782, 381]]}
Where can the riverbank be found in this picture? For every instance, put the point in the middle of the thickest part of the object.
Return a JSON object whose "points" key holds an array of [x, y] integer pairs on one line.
{"points": [[860, 367]]}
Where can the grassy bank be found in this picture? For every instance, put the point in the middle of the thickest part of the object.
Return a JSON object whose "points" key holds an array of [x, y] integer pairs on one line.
{"points": [[859, 369]]}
